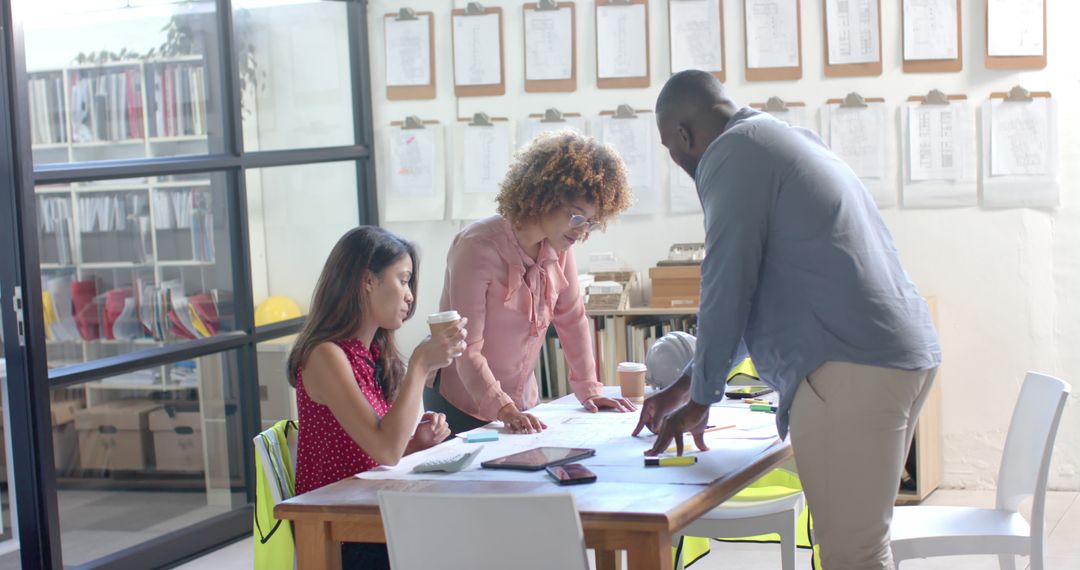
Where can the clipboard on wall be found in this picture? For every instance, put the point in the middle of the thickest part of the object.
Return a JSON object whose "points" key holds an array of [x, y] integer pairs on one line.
{"points": [[622, 82], [1019, 61], [407, 92], [936, 65], [474, 9], [773, 73], [722, 73], [850, 69], [552, 85]]}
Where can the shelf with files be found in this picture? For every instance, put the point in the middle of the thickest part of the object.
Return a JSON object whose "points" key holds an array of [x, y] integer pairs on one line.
{"points": [[128, 109], [620, 335]]}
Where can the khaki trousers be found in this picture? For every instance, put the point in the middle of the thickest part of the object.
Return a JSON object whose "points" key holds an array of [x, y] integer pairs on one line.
{"points": [[851, 428]]}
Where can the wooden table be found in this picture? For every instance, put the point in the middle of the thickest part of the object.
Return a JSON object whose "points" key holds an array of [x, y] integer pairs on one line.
{"points": [[638, 518]]}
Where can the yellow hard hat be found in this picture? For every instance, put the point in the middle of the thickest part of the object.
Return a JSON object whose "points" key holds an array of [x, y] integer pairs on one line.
{"points": [[274, 309]]}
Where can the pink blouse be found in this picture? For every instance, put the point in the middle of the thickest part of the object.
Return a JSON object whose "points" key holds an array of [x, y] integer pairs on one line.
{"points": [[510, 300]]}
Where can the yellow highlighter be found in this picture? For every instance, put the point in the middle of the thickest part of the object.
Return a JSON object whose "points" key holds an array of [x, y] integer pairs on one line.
{"points": [[683, 460]]}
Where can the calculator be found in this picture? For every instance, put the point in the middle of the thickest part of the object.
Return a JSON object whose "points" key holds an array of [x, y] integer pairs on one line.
{"points": [[451, 464]]}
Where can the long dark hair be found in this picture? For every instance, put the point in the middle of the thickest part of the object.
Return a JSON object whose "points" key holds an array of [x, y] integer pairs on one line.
{"points": [[337, 304]]}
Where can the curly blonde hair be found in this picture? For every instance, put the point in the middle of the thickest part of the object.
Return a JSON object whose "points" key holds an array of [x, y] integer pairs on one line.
{"points": [[558, 168]]}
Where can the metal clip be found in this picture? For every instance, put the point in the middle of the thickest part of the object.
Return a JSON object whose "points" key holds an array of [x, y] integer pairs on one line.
{"points": [[474, 9], [413, 122], [1019, 95], [480, 120], [853, 99], [625, 111], [775, 105], [406, 14], [553, 115], [935, 97]]}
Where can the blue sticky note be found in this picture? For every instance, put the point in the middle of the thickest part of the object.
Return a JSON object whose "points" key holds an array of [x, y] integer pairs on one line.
{"points": [[477, 437]]}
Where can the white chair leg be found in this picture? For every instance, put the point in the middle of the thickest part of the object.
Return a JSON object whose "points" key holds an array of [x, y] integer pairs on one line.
{"points": [[787, 541], [1008, 562], [1038, 552]]}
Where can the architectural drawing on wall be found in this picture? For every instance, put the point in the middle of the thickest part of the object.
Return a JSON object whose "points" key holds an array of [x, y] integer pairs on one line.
{"points": [[853, 31], [856, 130], [696, 30], [415, 170], [549, 43], [1020, 150], [478, 57], [634, 134], [939, 154], [773, 40], [1015, 27], [622, 44], [930, 30], [485, 146], [408, 46]]}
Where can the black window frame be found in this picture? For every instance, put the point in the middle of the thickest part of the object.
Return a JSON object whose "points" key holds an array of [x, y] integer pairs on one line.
{"points": [[30, 380]]}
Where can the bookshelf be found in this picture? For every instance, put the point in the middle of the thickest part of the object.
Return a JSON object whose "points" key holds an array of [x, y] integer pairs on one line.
{"points": [[122, 109], [617, 342], [135, 262]]}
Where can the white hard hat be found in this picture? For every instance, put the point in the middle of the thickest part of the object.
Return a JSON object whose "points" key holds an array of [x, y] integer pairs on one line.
{"points": [[667, 357]]}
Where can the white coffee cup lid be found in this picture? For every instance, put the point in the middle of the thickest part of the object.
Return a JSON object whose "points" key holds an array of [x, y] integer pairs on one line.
{"points": [[632, 367], [443, 317]]}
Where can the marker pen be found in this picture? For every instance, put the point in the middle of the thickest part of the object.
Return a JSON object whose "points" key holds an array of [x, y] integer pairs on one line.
{"points": [[670, 461]]}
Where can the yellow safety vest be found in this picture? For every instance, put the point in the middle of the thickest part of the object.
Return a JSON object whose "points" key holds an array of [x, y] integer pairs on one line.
{"points": [[274, 547]]}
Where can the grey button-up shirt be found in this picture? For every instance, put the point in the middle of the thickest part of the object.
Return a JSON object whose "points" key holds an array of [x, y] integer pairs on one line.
{"points": [[799, 265]]}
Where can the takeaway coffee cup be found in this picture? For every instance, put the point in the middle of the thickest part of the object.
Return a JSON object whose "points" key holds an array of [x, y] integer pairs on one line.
{"points": [[632, 381], [439, 321]]}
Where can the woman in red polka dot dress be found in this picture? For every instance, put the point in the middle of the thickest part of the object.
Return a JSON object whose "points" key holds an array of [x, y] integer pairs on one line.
{"points": [[356, 399]]}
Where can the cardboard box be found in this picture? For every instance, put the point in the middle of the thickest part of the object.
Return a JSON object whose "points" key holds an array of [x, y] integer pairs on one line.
{"points": [[675, 286], [65, 439], [116, 435], [178, 440]]}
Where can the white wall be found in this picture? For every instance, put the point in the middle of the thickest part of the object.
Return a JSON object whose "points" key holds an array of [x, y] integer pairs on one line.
{"points": [[1006, 280]]}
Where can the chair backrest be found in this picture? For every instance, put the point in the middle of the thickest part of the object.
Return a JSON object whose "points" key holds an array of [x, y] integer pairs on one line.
{"points": [[482, 532], [1025, 461]]}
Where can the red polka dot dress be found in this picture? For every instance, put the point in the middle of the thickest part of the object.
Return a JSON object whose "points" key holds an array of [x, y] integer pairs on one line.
{"points": [[325, 454]]}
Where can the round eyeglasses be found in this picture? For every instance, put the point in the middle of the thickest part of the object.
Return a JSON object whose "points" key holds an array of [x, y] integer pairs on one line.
{"points": [[577, 220]]}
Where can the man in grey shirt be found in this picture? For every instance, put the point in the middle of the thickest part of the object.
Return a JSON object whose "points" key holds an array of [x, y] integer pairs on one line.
{"points": [[800, 267]]}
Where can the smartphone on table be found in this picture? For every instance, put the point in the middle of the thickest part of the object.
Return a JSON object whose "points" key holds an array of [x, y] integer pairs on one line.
{"points": [[571, 474]]}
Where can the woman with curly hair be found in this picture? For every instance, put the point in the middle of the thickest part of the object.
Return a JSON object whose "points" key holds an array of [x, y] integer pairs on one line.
{"points": [[513, 274]]}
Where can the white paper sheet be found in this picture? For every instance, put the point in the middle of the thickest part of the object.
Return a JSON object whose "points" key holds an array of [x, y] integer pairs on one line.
{"points": [[1014, 27], [634, 141], [695, 35], [930, 29], [486, 157], [853, 31], [476, 50], [857, 135], [1021, 190], [408, 51], [1019, 143], [682, 191], [415, 170], [532, 128], [772, 33], [797, 116], [620, 41], [549, 49], [412, 162], [939, 156], [933, 151]]}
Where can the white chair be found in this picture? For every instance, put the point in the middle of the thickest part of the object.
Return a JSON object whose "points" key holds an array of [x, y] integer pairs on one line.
{"points": [[482, 532], [750, 518], [924, 531]]}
